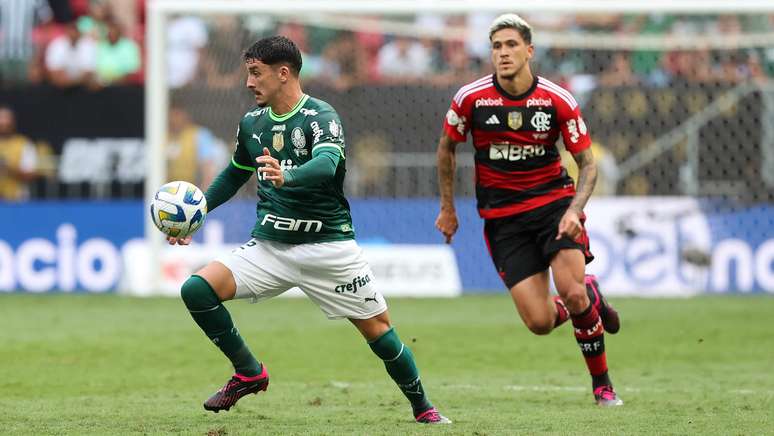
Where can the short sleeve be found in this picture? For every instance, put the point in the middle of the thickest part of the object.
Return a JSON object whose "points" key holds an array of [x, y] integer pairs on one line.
{"points": [[457, 121], [241, 158], [325, 130], [575, 134]]}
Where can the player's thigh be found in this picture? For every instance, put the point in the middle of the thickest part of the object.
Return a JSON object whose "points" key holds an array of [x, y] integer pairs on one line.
{"points": [[374, 327], [220, 279], [533, 302], [568, 268], [259, 270], [337, 278], [515, 252]]}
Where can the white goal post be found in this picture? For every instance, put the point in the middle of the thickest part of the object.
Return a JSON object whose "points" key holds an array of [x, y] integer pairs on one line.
{"points": [[159, 11]]}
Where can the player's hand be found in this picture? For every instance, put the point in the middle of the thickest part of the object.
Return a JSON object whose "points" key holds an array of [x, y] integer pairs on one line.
{"points": [[271, 169], [569, 225], [447, 223], [179, 241]]}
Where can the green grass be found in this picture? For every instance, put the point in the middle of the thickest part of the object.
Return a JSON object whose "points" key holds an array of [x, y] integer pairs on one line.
{"points": [[115, 365]]}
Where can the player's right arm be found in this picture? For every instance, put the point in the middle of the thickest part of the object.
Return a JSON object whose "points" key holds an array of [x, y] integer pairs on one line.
{"points": [[236, 174], [455, 130], [446, 155], [228, 182]]}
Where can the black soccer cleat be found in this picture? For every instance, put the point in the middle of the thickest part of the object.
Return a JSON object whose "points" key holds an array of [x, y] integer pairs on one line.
{"points": [[610, 320], [236, 388]]}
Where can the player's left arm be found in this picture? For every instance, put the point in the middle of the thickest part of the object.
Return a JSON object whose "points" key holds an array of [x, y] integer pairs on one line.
{"points": [[325, 134], [578, 142], [320, 168], [587, 179]]}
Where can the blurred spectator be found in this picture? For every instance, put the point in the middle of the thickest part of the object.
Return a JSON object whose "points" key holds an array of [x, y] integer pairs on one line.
{"points": [[457, 68], [343, 62], [71, 58], [18, 159], [403, 59], [221, 62], [368, 175], [17, 20], [477, 24], [63, 12], [95, 23], [619, 72], [126, 13], [310, 67], [194, 154], [117, 56], [607, 169], [186, 36]]}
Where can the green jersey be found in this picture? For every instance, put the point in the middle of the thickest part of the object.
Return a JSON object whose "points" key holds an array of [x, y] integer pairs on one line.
{"points": [[299, 214]]}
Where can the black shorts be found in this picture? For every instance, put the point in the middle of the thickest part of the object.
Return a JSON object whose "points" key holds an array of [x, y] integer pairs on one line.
{"points": [[523, 245]]}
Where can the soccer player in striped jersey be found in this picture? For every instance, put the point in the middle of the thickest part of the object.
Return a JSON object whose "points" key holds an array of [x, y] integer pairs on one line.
{"points": [[303, 235], [532, 210]]}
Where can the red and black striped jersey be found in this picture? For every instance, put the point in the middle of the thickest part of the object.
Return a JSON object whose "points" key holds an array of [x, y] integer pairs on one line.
{"points": [[518, 167]]}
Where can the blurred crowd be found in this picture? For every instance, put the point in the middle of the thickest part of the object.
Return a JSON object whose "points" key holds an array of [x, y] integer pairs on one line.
{"points": [[96, 43], [93, 44]]}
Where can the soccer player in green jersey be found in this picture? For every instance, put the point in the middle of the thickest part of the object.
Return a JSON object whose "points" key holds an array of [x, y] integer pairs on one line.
{"points": [[303, 235]]}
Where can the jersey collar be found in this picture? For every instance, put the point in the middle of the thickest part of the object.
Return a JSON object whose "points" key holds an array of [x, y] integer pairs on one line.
{"points": [[292, 112], [511, 96]]}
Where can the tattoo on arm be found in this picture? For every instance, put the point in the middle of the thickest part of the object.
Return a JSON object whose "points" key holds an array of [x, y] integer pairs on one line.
{"points": [[587, 178], [447, 165]]}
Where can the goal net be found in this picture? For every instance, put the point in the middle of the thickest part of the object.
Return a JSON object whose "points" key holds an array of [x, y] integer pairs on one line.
{"points": [[677, 96]]}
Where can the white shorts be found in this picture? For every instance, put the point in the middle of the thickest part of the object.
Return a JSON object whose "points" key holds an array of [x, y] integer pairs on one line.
{"points": [[332, 274]]}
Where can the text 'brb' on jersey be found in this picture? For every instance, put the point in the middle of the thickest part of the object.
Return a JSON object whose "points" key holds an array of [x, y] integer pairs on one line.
{"points": [[299, 214], [518, 167]]}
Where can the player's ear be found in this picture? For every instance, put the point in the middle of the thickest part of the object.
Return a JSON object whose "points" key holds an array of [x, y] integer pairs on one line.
{"points": [[284, 73]]}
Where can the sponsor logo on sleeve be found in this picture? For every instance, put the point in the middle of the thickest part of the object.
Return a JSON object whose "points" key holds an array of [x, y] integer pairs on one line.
{"points": [[452, 118], [572, 129], [334, 128], [316, 132]]}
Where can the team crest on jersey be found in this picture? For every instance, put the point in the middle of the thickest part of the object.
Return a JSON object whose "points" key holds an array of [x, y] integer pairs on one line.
{"points": [[541, 121], [299, 141], [278, 141], [333, 127], [514, 120]]}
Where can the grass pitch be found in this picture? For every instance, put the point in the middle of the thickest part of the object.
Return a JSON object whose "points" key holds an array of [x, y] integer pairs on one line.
{"points": [[115, 365]]}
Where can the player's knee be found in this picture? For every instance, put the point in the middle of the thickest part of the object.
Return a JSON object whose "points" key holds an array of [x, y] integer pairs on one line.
{"points": [[539, 326], [197, 294], [576, 298]]}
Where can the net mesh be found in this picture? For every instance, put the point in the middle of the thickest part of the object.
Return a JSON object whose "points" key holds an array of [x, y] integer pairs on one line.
{"points": [[675, 104]]}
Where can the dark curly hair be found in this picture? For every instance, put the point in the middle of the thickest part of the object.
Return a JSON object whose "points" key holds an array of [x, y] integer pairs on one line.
{"points": [[275, 50]]}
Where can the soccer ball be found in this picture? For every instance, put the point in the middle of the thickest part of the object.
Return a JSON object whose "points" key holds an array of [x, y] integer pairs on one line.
{"points": [[178, 209]]}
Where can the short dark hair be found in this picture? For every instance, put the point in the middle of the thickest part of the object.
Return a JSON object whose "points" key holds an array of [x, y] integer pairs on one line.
{"points": [[274, 50]]}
